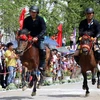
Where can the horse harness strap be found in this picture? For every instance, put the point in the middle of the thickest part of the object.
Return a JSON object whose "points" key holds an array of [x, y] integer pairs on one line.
{"points": [[90, 46], [28, 48]]}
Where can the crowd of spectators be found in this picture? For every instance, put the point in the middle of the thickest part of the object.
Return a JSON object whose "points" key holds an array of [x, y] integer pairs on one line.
{"points": [[62, 65]]}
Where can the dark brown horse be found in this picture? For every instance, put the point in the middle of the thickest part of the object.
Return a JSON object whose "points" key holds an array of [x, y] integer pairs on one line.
{"points": [[29, 56], [87, 60]]}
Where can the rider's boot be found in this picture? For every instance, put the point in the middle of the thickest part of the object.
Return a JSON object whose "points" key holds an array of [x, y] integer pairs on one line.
{"points": [[42, 59]]}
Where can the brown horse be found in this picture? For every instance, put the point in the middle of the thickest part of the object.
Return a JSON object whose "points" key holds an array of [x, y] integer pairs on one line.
{"points": [[87, 60], [48, 58], [29, 56]]}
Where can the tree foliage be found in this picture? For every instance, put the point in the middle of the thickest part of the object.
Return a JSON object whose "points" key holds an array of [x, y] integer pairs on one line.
{"points": [[68, 12]]}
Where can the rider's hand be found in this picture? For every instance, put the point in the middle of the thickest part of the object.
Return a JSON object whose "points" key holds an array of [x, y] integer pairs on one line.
{"points": [[35, 39]]}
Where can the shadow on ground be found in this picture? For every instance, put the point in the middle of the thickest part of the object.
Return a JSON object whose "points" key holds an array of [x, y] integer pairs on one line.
{"points": [[65, 96], [16, 98]]}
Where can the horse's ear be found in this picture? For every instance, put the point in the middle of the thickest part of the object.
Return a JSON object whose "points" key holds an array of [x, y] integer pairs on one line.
{"points": [[80, 38]]}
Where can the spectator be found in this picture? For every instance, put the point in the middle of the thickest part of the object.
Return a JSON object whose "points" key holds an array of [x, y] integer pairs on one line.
{"points": [[4, 76], [64, 41], [1, 67], [11, 63]]}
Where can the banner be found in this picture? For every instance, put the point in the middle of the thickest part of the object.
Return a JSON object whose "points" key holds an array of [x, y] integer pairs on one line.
{"points": [[21, 18], [59, 37]]}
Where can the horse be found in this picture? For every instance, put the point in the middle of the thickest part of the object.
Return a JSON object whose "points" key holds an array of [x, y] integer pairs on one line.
{"points": [[87, 60], [48, 57], [29, 56]]}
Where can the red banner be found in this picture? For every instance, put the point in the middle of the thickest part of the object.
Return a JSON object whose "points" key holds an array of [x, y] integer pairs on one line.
{"points": [[59, 37], [21, 18]]}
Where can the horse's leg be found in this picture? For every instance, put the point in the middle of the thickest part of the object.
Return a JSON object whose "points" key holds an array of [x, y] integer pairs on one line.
{"points": [[94, 76], [42, 74], [34, 85], [98, 74], [98, 82], [23, 79], [31, 83], [38, 81], [85, 84]]}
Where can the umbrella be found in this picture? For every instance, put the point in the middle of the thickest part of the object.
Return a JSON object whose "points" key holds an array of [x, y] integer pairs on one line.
{"points": [[49, 41], [63, 50], [15, 43]]}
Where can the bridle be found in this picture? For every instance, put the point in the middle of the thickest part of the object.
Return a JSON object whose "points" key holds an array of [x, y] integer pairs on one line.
{"points": [[89, 46], [28, 39]]}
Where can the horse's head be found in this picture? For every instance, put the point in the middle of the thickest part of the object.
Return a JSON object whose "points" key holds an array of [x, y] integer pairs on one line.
{"points": [[86, 44], [23, 41]]}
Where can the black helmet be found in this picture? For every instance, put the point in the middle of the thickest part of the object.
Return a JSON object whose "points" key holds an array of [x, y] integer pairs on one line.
{"points": [[89, 10], [34, 9]]}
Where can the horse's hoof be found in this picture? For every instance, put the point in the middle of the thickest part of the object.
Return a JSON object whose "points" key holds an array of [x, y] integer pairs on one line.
{"points": [[93, 81], [33, 94], [24, 88], [98, 86], [87, 94]]}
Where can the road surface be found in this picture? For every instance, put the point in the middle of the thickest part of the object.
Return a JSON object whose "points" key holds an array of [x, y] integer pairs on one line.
{"points": [[68, 91]]}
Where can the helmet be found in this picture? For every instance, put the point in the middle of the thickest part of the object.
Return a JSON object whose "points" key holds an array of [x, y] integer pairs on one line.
{"points": [[89, 10], [34, 9]]}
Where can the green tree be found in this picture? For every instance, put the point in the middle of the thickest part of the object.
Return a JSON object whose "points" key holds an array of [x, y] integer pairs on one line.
{"points": [[68, 12]]}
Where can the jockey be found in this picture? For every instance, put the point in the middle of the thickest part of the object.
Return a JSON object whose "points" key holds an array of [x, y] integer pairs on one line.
{"points": [[92, 28], [36, 25]]}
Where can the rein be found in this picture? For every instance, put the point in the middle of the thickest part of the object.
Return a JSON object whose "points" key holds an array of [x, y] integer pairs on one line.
{"points": [[27, 48]]}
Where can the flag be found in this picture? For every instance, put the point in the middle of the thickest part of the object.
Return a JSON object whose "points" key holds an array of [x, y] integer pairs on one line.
{"points": [[59, 37], [21, 18]]}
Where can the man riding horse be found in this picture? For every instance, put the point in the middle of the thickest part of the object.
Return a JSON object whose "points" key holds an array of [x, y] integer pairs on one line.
{"points": [[92, 28], [36, 25]]}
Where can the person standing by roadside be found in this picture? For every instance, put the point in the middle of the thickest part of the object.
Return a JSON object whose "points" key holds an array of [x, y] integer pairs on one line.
{"points": [[11, 60]]}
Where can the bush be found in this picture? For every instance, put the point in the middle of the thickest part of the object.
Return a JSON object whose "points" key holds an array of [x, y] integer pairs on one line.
{"points": [[67, 73], [48, 73]]}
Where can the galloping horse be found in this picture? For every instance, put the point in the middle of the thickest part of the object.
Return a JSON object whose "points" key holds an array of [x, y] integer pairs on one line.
{"points": [[87, 60], [29, 56]]}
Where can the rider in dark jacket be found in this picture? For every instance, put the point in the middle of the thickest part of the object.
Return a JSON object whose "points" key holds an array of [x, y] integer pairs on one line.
{"points": [[92, 28], [89, 24], [37, 28]]}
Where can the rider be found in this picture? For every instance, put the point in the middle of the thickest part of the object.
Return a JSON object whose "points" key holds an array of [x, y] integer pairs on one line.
{"points": [[37, 28], [92, 27]]}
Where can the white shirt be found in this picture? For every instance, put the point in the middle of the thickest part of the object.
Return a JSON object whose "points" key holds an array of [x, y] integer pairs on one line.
{"points": [[54, 58]]}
